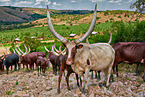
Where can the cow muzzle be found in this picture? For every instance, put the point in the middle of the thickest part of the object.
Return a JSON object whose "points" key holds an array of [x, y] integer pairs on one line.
{"points": [[69, 61]]}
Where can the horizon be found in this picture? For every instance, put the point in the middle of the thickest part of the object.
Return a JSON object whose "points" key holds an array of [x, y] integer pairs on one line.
{"points": [[69, 9], [102, 5]]}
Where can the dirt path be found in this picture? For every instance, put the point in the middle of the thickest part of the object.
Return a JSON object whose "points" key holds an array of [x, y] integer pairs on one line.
{"points": [[23, 84]]}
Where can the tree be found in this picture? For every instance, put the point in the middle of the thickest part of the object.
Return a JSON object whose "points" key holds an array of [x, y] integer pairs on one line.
{"points": [[139, 4]]}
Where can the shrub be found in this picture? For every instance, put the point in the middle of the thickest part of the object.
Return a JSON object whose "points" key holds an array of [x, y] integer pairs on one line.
{"points": [[111, 19], [119, 16], [130, 32], [106, 13]]}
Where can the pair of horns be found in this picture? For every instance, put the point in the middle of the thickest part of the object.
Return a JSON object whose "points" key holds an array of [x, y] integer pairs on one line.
{"points": [[61, 38], [22, 51], [58, 52]]}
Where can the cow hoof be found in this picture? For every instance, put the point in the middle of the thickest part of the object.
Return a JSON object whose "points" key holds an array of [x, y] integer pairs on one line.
{"points": [[58, 91], [85, 91], [69, 89]]}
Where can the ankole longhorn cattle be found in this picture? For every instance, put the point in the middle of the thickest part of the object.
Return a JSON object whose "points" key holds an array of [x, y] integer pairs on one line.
{"points": [[62, 61], [54, 60], [82, 57], [129, 52]]}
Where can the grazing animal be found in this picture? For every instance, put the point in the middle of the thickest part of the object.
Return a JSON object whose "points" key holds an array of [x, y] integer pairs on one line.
{"points": [[11, 60], [54, 61], [129, 52], [62, 61], [83, 57], [43, 63], [41, 54], [27, 58]]}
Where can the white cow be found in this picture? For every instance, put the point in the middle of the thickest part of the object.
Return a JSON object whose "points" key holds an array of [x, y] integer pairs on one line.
{"points": [[83, 57]]}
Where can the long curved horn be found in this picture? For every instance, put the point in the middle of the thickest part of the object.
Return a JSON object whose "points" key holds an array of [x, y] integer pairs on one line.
{"points": [[87, 41], [17, 51], [20, 50], [52, 30], [64, 50], [54, 51], [110, 38], [91, 28], [26, 50], [60, 49], [46, 49], [14, 51], [29, 49]]}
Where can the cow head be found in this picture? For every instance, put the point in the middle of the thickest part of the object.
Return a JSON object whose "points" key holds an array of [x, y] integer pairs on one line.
{"points": [[21, 56], [71, 46]]}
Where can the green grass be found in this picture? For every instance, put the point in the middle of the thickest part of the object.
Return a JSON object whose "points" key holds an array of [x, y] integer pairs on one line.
{"points": [[9, 35]]}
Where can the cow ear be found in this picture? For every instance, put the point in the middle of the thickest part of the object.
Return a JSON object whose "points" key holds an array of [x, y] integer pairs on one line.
{"points": [[64, 45], [79, 46]]}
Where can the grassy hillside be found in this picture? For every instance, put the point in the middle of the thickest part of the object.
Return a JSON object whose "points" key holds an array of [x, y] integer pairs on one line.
{"points": [[15, 15]]}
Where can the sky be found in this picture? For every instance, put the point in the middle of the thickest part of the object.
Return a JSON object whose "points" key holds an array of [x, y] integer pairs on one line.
{"points": [[71, 4]]}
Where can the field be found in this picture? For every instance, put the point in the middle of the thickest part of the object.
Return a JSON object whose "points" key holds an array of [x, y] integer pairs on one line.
{"points": [[124, 26]]}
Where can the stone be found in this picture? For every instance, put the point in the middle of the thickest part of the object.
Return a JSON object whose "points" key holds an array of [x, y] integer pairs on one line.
{"points": [[48, 88]]}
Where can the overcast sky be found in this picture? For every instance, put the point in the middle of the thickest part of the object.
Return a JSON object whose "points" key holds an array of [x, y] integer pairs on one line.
{"points": [[71, 4]]}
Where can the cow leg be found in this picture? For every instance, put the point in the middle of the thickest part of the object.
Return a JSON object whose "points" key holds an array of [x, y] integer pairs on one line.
{"points": [[15, 67], [98, 77], [11, 68], [38, 69], [19, 66], [92, 75], [59, 80], [3, 67], [23, 65], [58, 70], [7, 67], [107, 74], [67, 78], [86, 80], [111, 77], [78, 80], [33, 66], [144, 71], [137, 65], [27, 67], [54, 70], [117, 70]]}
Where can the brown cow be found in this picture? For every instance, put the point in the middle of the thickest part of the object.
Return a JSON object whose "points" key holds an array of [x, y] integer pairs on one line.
{"points": [[129, 52], [62, 61], [54, 60], [43, 63], [27, 58]]}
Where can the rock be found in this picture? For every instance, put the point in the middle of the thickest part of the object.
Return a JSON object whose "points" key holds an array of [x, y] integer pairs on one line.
{"points": [[140, 94], [1, 82], [20, 94], [92, 95], [48, 88]]}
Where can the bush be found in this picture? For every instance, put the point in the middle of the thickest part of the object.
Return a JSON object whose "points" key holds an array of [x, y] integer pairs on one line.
{"points": [[130, 32], [106, 13], [119, 16]]}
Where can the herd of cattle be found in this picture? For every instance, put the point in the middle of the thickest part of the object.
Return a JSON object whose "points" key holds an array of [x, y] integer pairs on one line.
{"points": [[79, 58]]}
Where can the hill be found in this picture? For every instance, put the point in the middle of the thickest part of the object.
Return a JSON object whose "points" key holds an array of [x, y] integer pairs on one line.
{"points": [[16, 15]]}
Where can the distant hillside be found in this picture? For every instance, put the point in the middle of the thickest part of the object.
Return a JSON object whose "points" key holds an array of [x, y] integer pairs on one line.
{"points": [[16, 15]]}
